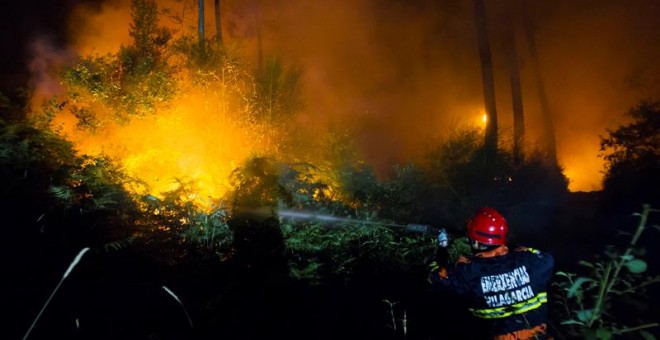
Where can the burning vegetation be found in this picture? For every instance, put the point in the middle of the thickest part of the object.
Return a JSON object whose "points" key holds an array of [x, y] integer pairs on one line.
{"points": [[175, 152]]}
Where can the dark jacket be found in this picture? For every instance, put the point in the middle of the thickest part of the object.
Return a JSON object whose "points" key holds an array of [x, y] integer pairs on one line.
{"points": [[506, 289]]}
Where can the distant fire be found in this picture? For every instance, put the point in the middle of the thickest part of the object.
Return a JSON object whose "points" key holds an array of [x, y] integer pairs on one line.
{"points": [[583, 169]]}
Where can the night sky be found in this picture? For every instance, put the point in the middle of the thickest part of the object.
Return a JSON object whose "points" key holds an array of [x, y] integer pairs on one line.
{"points": [[20, 22]]}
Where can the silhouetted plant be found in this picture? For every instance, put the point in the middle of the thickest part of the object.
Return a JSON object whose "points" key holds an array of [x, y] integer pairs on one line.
{"points": [[462, 180], [586, 301], [256, 185], [632, 159], [278, 91], [407, 196]]}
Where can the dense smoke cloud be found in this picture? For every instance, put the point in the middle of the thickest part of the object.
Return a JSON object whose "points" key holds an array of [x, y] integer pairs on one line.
{"points": [[410, 69], [399, 73]]}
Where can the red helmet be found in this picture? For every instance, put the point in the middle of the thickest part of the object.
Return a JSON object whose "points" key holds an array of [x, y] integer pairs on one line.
{"points": [[488, 226]]}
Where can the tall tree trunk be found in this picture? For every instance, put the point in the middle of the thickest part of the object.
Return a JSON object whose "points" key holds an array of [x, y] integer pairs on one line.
{"points": [[548, 124], [516, 89], [200, 23], [490, 142], [218, 26], [257, 24]]}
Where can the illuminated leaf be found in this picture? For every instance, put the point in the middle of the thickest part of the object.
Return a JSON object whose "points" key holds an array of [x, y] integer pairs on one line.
{"points": [[636, 266], [585, 314], [572, 322], [577, 285]]}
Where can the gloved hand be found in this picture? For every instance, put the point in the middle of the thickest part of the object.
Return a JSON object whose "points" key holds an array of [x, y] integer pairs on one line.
{"points": [[443, 238]]}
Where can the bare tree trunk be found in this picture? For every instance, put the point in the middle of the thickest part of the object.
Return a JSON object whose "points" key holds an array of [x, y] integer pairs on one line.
{"points": [[200, 22], [516, 89], [490, 143], [257, 24], [548, 124], [218, 26]]}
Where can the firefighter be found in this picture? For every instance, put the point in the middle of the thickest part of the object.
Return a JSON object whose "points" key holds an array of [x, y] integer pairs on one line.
{"points": [[505, 289]]}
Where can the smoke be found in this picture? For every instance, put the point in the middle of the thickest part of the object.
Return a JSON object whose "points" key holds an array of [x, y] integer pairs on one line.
{"points": [[599, 59], [46, 59], [400, 73], [383, 69], [100, 28]]}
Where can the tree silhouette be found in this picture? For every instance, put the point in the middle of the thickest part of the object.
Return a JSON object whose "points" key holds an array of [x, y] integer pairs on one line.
{"points": [[490, 143]]}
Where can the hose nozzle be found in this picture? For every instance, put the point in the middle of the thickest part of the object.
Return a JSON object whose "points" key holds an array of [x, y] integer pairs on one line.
{"points": [[419, 228]]}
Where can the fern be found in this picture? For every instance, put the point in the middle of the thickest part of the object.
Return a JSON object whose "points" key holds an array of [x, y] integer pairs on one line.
{"points": [[118, 245], [61, 192]]}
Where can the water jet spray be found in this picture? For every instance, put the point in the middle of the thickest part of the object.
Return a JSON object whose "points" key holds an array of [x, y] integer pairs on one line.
{"points": [[303, 215]]}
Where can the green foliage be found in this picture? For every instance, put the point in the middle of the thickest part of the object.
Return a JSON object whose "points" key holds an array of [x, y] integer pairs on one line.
{"points": [[264, 183], [177, 229], [320, 252], [118, 245], [25, 151], [359, 186], [149, 39], [304, 189], [406, 196], [136, 81], [209, 229], [459, 247], [275, 100], [256, 184], [587, 300], [98, 185], [457, 150], [222, 74], [51, 195], [278, 92]]}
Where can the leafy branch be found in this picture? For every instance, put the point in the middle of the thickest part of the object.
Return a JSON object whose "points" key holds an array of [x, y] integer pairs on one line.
{"points": [[589, 297]]}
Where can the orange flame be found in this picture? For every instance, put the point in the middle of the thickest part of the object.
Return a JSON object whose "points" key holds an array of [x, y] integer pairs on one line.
{"points": [[191, 142]]}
